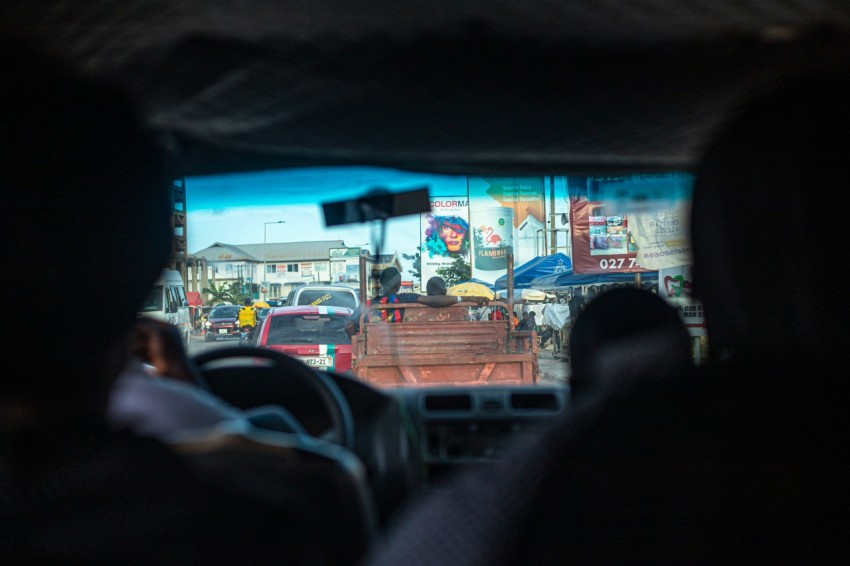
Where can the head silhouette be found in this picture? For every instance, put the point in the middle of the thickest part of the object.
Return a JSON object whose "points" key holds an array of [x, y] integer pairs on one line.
{"points": [[435, 286], [390, 281], [766, 191], [86, 199], [623, 335]]}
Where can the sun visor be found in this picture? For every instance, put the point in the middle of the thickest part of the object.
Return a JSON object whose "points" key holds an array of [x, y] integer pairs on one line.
{"points": [[377, 204]]}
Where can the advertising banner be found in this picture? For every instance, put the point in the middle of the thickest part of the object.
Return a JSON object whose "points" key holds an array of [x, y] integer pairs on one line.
{"points": [[506, 216], [444, 234], [662, 238], [602, 243], [345, 265], [629, 224], [674, 285], [660, 228], [352, 273]]}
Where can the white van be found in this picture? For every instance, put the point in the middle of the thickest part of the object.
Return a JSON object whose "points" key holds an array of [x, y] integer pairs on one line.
{"points": [[324, 295], [167, 301]]}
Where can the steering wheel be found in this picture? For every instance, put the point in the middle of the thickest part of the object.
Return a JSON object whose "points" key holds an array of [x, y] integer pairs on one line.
{"points": [[285, 368]]}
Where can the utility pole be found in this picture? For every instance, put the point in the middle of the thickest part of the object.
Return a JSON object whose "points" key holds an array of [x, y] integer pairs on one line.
{"points": [[264, 284]]}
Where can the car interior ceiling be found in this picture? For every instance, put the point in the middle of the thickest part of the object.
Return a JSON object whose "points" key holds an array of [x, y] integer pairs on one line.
{"points": [[604, 86], [600, 87]]}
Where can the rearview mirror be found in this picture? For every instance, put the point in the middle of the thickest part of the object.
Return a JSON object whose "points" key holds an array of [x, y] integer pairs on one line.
{"points": [[377, 204]]}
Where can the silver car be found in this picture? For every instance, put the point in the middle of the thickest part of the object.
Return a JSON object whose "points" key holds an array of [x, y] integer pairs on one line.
{"points": [[325, 296]]}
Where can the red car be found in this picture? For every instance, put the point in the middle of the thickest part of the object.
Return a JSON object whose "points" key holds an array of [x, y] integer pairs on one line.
{"points": [[314, 335], [222, 322]]}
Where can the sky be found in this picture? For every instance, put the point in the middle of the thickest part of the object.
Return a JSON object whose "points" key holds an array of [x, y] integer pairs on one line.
{"points": [[285, 206], [234, 209]]}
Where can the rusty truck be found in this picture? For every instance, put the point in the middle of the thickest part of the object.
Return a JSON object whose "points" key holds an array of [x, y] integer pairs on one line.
{"points": [[442, 346]]}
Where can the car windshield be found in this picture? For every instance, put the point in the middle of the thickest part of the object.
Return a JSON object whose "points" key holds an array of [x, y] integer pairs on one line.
{"points": [[153, 300], [559, 240], [307, 329], [327, 297], [422, 200], [224, 312]]}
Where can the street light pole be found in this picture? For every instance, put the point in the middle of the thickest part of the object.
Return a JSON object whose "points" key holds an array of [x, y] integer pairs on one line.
{"points": [[265, 275]]}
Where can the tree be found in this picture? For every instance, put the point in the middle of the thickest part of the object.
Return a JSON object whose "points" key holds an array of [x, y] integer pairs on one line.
{"points": [[417, 265], [218, 294], [458, 271]]}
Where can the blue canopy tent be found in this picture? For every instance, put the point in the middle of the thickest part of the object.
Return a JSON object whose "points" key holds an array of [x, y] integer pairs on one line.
{"points": [[540, 266], [559, 280]]}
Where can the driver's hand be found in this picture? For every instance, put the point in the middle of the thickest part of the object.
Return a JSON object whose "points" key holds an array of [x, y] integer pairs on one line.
{"points": [[160, 345]]}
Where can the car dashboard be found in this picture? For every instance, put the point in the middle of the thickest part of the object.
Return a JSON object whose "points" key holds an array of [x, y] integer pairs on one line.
{"points": [[455, 426]]}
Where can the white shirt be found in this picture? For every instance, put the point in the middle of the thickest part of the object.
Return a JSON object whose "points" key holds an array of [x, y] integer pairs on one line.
{"points": [[161, 407], [556, 315]]}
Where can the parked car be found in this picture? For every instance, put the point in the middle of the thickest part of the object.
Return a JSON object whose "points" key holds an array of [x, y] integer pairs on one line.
{"points": [[312, 334], [222, 322], [324, 295], [261, 314]]}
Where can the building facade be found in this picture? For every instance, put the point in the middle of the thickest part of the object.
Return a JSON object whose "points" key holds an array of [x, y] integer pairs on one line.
{"points": [[272, 270]]}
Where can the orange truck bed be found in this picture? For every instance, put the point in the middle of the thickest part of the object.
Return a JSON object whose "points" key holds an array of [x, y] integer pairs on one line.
{"points": [[439, 346]]}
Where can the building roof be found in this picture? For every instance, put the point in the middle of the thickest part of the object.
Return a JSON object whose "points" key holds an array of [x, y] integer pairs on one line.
{"points": [[271, 252], [385, 258]]}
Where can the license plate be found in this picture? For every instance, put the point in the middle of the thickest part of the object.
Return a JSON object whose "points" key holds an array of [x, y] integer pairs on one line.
{"points": [[317, 361], [222, 331]]}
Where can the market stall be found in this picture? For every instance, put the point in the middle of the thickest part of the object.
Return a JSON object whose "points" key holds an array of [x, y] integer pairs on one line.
{"points": [[575, 289], [553, 264]]}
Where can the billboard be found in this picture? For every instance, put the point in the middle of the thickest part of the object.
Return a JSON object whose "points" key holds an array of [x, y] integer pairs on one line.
{"points": [[507, 215], [444, 234], [629, 223], [662, 236], [674, 285], [344, 265]]}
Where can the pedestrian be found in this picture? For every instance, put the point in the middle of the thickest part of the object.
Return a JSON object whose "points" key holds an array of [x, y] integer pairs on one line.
{"points": [[529, 321], [554, 316]]}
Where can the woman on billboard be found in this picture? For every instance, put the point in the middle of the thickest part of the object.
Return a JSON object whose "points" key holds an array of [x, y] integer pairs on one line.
{"points": [[446, 236]]}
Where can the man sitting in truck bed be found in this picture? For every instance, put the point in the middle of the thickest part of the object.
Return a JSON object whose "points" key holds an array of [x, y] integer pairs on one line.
{"points": [[435, 286], [390, 285]]}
